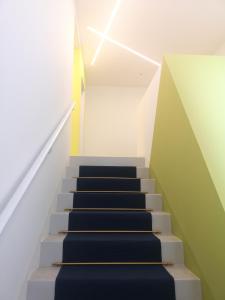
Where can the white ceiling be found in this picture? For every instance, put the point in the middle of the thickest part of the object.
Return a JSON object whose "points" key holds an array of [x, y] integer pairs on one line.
{"points": [[152, 27]]}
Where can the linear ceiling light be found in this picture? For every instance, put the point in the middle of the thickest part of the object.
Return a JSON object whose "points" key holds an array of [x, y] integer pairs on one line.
{"points": [[106, 38], [108, 26]]}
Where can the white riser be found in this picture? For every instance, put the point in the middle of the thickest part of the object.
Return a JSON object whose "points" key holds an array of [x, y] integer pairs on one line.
{"points": [[160, 222], [41, 286], [106, 161], [147, 185], [187, 285], [74, 172], [52, 250], [153, 201]]}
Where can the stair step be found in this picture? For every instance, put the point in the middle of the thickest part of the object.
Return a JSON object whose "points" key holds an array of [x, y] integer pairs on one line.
{"points": [[109, 183], [106, 161], [42, 283], [160, 222], [146, 185], [152, 201], [52, 247], [74, 172]]}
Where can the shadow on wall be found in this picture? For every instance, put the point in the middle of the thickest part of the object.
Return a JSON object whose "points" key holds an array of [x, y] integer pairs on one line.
{"points": [[188, 162]]}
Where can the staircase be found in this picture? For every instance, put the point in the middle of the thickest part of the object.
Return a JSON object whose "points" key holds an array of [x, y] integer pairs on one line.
{"points": [[119, 240]]}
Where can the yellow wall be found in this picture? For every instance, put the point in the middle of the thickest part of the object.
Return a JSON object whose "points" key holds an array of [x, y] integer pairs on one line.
{"points": [[189, 125], [78, 81]]}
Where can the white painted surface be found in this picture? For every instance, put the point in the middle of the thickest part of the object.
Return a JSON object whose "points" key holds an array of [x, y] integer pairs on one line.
{"points": [[20, 241], [58, 222], [221, 50], [42, 284], [161, 221], [146, 118], [150, 27], [51, 250], [111, 120], [36, 59], [22, 187], [135, 161], [82, 124], [74, 172], [171, 249], [187, 285]]}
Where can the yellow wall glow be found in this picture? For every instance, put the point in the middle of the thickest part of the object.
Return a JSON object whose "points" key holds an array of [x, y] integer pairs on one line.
{"points": [[78, 82]]}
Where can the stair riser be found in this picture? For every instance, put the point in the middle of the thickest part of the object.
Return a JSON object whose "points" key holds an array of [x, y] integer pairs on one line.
{"points": [[147, 185], [106, 161], [160, 222], [74, 172], [51, 251], [153, 201]]}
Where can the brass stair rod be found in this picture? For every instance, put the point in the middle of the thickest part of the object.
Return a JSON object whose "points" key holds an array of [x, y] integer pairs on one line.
{"points": [[107, 209], [107, 191], [109, 231], [61, 264], [132, 178]]}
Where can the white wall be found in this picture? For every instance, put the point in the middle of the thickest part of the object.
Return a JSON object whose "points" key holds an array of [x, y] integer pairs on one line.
{"points": [[20, 240], [146, 118], [36, 57], [110, 126], [221, 50]]}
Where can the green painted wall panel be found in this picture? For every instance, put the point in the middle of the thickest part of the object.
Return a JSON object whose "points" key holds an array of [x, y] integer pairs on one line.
{"points": [[200, 82], [188, 190]]}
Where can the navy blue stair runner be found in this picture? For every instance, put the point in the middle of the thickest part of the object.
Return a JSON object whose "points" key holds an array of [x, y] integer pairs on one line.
{"points": [[103, 171], [110, 200], [118, 281], [108, 184]]}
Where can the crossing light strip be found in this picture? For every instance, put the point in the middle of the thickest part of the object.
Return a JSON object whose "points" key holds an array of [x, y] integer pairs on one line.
{"points": [[108, 26], [123, 46]]}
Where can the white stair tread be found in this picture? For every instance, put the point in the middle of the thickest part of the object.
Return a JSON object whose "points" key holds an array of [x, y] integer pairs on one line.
{"points": [[164, 238], [107, 161], [45, 274], [74, 172], [179, 272]]}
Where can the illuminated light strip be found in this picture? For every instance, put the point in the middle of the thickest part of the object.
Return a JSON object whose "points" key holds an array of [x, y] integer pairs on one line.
{"points": [[105, 37], [118, 2]]}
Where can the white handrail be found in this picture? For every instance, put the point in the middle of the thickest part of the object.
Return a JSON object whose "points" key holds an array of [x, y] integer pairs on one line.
{"points": [[10, 207]]}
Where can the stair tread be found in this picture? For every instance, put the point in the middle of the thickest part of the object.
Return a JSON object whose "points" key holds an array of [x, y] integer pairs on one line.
{"points": [[179, 272], [164, 238]]}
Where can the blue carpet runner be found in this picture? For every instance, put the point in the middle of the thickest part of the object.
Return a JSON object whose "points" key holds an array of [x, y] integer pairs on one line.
{"points": [[108, 184], [109, 200], [100, 171], [111, 282]]}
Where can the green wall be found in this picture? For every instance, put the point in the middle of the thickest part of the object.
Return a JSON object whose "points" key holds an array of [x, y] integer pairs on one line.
{"points": [[186, 156]]}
